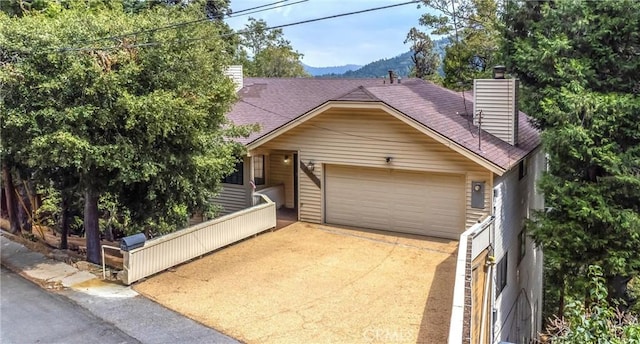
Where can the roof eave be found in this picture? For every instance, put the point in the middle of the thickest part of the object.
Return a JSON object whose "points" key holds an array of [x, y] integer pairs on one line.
{"points": [[390, 110]]}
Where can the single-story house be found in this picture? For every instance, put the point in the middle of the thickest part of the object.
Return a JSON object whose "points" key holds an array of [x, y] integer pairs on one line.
{"points": [[404, 156]]}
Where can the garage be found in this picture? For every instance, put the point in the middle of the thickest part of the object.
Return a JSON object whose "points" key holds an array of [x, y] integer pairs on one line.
{"points": [[395, 200]]}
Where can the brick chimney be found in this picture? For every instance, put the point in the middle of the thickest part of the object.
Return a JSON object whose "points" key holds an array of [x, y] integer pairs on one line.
{"points": [[236, 74], [496, 100]]}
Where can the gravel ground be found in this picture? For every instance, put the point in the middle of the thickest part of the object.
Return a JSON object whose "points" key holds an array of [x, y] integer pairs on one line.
{"points": [[310, 283]]}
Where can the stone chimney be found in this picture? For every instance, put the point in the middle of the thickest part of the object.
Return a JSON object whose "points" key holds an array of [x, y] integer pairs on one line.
{"points": [[495, 107], [236, 74]]}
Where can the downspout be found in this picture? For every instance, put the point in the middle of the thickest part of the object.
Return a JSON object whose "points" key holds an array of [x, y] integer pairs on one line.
{"points": [[491, 272], [485, 300], [493, 278]]}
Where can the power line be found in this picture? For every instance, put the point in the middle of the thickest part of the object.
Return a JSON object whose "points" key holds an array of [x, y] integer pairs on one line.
{"points": [[233, 15], [341, 15], [246, 11], [147, 44], [261, 6]]}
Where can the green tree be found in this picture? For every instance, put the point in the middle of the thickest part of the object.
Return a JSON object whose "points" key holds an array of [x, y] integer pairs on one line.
{"points": [[266, 53], [139, 116], [473, 30], [594, 321], [425, 60], [213, 9], [579, 66], [20, 7]]}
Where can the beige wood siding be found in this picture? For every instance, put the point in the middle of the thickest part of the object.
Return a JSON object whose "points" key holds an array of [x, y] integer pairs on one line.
{"points": [[474, 214], [395, 200], [282, 173], [235, 197], [364, 138], [497, 98], [232, 198]]}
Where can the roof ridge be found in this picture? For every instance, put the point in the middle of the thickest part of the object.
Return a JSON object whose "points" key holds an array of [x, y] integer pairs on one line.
{"points": [[360, 89], [430, 105]]}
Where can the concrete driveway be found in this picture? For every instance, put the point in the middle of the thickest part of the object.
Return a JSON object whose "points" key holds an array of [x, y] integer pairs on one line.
{"points": [[310, 283]]}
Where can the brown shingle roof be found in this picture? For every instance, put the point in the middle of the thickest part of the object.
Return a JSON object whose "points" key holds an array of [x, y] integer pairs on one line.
{"points": [[273, 102]]}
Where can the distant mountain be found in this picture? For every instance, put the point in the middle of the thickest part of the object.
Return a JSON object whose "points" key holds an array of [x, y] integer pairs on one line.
{"points": [[440, 45], [316, 71], [401, 65]]}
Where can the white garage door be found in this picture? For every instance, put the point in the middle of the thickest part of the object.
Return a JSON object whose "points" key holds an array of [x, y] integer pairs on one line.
{"points": [[395, 200]]}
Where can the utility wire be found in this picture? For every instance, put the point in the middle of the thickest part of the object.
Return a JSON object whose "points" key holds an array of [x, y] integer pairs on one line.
{"points": [[246, 11], [234, 15], [147, 44], [341, 15]]}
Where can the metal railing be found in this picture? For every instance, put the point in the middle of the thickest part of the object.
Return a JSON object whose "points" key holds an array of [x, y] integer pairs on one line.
{"points": [[172, 249]]}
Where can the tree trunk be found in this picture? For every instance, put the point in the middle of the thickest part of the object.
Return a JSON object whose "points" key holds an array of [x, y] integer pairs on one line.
{"points": [[561, 299], [64, 222], [617, 288], [91, 229], [25, 211], [10, 197]]}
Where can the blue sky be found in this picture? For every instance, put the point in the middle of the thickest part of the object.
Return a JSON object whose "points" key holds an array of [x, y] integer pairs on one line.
{"points": [[357, 39]]}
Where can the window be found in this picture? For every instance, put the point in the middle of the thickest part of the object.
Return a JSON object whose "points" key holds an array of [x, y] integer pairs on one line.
{"points": [[501, 273], [237, 176], [522, 245], [258, 170], [522, 168]]}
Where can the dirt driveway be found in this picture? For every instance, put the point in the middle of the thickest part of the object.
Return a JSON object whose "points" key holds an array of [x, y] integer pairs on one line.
{"points": [[310, 283]]}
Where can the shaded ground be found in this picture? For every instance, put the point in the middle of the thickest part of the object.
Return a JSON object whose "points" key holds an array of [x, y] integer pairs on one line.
{"points": [[32, 315], [44, 240], [32, 319], [309, 283]]}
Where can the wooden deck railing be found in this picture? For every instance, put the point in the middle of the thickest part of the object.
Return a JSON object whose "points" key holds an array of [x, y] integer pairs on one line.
{"points": [[172, 249], [472, 243]]}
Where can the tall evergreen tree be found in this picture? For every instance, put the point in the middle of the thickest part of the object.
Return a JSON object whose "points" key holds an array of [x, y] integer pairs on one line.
{"points": [[579, 63], [472, 27], [424, 57]]}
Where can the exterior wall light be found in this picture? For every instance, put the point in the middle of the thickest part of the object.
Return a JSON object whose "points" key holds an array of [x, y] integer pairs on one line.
{"points": [[388, 159], [286, 159], [311, 166]]}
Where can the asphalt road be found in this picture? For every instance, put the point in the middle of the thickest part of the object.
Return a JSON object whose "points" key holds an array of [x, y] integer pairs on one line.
{"points": [[29, 314]]}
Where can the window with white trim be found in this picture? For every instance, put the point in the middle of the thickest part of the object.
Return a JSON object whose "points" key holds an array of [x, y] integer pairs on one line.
{"points": [[237, 176], [523, 166], [258, 170], [501, 273]]}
